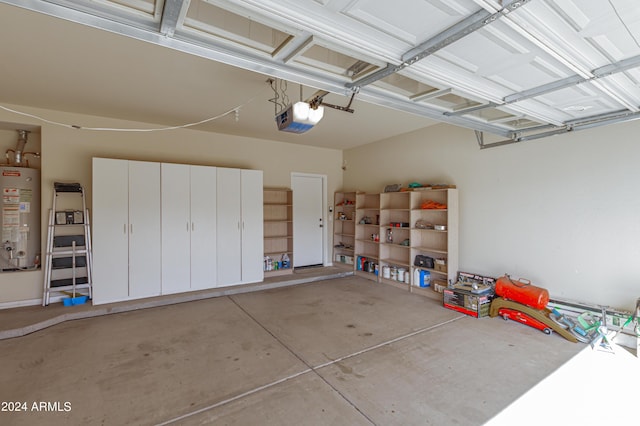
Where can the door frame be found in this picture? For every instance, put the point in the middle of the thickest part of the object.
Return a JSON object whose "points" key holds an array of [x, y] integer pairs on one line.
{"points": [[325, 222]]}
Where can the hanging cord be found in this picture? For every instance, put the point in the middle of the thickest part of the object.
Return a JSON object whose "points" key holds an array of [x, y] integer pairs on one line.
{"points": [[283, 90], [278, 105], [280, 98], [276, 96], [114, 129]]}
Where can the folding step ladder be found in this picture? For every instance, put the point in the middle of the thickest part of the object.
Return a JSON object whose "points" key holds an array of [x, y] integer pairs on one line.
{"points": [[68, 256]]}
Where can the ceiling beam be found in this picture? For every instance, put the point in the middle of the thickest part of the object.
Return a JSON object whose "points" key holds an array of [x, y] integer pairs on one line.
{"points": [[170, 16], [463, 111], [573, 126]]}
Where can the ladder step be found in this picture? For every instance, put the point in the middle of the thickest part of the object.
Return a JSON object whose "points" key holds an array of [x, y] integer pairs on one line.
{"points": [[69, 288], [67, 240], [67, 262], [65, 253], [67, 283], [67, 187]]}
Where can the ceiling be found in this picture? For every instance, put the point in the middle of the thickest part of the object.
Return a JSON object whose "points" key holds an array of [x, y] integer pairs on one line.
{"points": [[519, 69]]}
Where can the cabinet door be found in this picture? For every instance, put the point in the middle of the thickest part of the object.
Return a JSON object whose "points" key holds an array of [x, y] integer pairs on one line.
{"points": [[176, 228], [203, 228], [228, 228], [252, 226], [110, 230], [144, 229]]}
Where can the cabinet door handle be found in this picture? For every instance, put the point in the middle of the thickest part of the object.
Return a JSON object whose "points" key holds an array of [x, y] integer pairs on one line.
{"points": [[193, 226], [131, 228], [124, 228]]}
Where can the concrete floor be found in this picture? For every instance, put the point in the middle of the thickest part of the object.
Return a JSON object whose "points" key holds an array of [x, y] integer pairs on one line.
{"points": [[344, 351]]}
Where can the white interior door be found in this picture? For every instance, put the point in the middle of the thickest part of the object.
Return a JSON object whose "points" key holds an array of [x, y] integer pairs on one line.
{"points": [[308, 219]]}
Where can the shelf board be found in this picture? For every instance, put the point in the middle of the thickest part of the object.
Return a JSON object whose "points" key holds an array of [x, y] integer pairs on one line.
{"points": [[367, 256], [431, 250], [429, 230], [433, 271], [278, 272], [367, 240], [395, 262], [342, 234], [278, 252], [344, 249], [395, 245]]}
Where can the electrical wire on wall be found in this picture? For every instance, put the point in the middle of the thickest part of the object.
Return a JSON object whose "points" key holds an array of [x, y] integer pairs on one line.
{"points": [[235, 110]]}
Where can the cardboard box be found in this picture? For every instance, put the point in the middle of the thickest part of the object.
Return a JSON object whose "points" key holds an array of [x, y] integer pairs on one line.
{"points": [[466, 302]]}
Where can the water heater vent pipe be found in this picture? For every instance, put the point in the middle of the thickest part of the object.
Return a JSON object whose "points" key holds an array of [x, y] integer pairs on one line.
{"points": [[22, 141]]}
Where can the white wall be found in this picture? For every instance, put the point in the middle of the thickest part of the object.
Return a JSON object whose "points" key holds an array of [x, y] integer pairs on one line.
{"points": [[563, 211], [67, 154]]}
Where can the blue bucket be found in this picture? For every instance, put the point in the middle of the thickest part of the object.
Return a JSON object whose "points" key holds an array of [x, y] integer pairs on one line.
{"points": [[72, 301]]}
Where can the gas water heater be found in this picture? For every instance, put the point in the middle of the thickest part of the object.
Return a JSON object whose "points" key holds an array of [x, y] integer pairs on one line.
{"points": [[20, 212]]}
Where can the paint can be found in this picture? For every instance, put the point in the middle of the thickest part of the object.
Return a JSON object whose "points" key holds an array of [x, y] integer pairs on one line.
{"points": [[394, 273], [401, 273], [386, 272]]}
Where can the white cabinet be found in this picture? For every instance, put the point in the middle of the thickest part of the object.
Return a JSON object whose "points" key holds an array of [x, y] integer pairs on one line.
{"points": [[204, 260], [188, 227], [252, 226], [126, 230], [240, 226], [110, 236], [172, 228]]}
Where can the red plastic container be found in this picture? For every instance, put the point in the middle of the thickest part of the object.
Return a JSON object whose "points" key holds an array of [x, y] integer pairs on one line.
{"points": [[522, 291]]}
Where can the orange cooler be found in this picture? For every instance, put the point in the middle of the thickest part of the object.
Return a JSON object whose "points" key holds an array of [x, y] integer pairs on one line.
{"points": [[522, 291]]}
